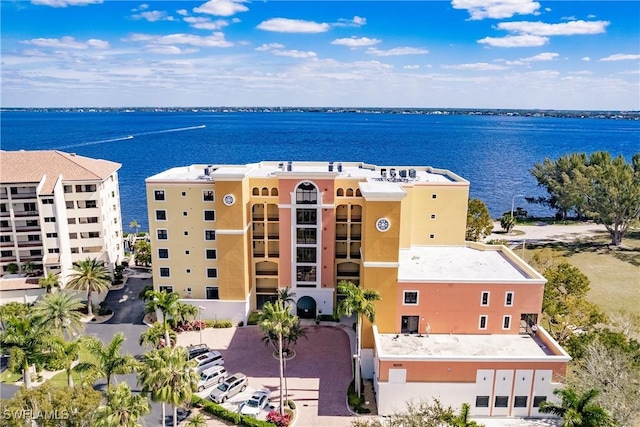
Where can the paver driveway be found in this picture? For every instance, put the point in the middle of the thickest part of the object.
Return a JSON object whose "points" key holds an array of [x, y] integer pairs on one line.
{"points": [[317, 377]]}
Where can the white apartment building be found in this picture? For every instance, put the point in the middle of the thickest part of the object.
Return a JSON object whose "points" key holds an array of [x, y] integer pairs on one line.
{"points": [[57, 208]]}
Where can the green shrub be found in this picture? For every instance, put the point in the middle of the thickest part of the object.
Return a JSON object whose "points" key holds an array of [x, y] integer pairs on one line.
{"points": [[291, 404], [219, 412], [218, 324], [209, 323], [253, 318], [328, 318]]}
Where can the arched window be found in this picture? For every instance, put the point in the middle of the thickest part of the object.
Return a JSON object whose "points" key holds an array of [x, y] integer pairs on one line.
{"points": [[265, 191], [255, 191], [340, 192], [306, 194], [349, 192], [274, 191], [358, 193]]}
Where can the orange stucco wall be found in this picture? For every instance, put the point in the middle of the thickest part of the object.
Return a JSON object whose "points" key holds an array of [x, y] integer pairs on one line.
{"points": [[455, 307], [454, 371]]}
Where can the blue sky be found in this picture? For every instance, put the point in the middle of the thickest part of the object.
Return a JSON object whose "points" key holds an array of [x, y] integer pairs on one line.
{"points": [[455, 53]]}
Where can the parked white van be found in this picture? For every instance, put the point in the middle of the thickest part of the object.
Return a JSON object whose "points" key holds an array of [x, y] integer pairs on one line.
{"points": [[208, 360], [211, 376]]}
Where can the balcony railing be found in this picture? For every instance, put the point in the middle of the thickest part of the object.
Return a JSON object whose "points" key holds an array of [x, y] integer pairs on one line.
{"points": [[25, 213], [274, 236], [341, 237], [356, 219], [341, 255], [258, 236], [27, 228], [5, 213], [257, 254], [355, 255], [8, 259], [356, 237], [24, 196], [348, 274], [29, 243], [274, 254], [262, 272], [257, 218], [273, 218], [341, 219]]}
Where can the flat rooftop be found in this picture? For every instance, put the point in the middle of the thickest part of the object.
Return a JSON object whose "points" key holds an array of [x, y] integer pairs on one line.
{"points": [[340, 170], [448, 346], [459, 264]]}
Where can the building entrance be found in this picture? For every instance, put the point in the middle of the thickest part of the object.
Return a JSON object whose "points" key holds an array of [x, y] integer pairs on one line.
{"points": [[306, 308]]}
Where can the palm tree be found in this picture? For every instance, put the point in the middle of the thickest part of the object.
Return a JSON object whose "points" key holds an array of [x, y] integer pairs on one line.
{"points": [[276, 320], [507, 222], [92, 276], [154, 337], [59, 311], [360, 302], [184, 313], [27, 267], [577, 410], [167, 303], [287, 296], [123, 409], [461, 420], [29, 343], [198, 420], [66, 353], [169, 377], [109, 361], [49, 281], [134, 226]]}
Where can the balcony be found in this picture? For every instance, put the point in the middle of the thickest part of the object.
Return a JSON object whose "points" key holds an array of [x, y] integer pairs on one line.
{"points": [[5, 244], [256, 217], [266, 272], [341, 255], [5, 214], [258, 236], [8, 259], [29, 244], [31, 257], [348, 274], [24, 228], [30, 195], [19, 214], [258, 254]]}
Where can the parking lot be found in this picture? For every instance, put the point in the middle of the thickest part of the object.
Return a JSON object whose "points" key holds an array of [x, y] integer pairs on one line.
{"points": [[317, 376]]}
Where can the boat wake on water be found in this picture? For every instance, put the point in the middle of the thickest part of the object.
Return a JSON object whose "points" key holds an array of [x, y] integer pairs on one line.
{"points": [[128, 137]]}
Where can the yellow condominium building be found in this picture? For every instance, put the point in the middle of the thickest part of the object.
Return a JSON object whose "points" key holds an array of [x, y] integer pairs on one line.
{"points": [[56, 208], [455, 320]]}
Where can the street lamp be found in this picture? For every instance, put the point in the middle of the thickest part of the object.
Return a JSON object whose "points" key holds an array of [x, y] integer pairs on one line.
{"points": [[200, 309], [513, 200]]}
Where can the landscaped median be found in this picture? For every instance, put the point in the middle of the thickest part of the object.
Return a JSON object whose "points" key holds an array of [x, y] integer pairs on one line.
{"points": [[224, 414]]}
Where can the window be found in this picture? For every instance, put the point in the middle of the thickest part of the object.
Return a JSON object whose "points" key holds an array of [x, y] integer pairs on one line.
{"points": [[212, 292], [211, 254], [482, 401], [69, 204], [184, 194], [209, 234], [432, 236], [184, 213], [186, 233], [508, 299], [6, 253], [506, 322], [207, 196], [306, 235], [50, 219], [410, 297], [537, 400], [484, 299], [306, 194], [162, 234], [212, 273], [75, 250], [54, 251], [91, 204], [306, 255], [51, 235], [520, 402], [165, 288], [161, 215], [433, 216], [30, 223], [187, 252], [483, 322], [158, 195], [47, 201], [35, 252], [306, 216], [189, 272], [163, 253], [5, 238], [68, 189], [209, 215], [434, 196], [33, 237], [71, 221], [501, 402], [165, 272], [73, 235], [409, 325]]}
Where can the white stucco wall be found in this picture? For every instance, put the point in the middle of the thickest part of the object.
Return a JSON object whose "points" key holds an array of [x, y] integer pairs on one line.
{"points": [[22, 296], [236, 311]]}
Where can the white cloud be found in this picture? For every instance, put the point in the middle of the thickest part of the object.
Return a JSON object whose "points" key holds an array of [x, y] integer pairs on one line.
{"points": [[68, 42], [144, 6], [294, 53], [568, 18], [203, 23], [356, 21], [182, 12], [545, 56], [169, 50], [64, 3], [214, 40], [586, 58], [621, 57], [478, 66], [285, 25], [563, 29], [221, 7], [266, 47], [153, 16], [356, 42], [396, 51], [497, 9], [411, 67], [515, 41]]}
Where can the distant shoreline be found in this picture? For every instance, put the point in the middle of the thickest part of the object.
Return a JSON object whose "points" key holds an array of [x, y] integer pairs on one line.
{"points": [[507, 112]]}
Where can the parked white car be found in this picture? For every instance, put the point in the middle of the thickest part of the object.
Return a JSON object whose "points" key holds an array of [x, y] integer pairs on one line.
{"points": [[255, 403]]}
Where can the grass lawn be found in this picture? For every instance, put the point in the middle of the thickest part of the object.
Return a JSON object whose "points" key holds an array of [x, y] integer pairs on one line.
{"points": [[60, 379], [614, 273], [9, 377]]}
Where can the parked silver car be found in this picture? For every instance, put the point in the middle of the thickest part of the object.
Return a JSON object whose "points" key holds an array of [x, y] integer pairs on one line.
{"points": [[232, 386], [212, 376], [208, 360]]}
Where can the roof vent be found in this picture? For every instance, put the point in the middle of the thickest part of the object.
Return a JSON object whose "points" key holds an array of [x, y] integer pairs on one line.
{"points": [[289, 166], [412, 173], [339, 167], [403, 173], [383, 173]]}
